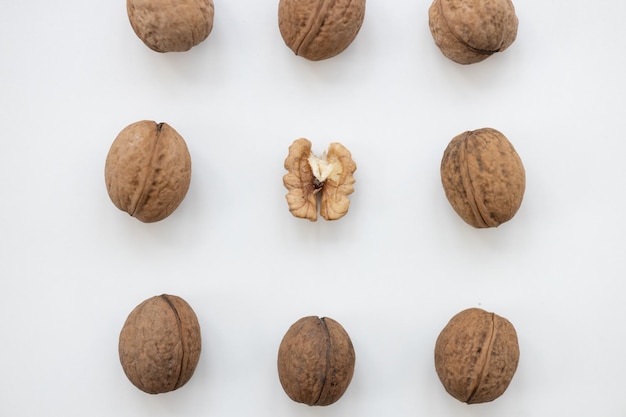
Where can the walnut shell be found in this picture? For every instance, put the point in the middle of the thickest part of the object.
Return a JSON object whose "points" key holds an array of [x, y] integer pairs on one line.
{"points": [[469, 31], [171, 25], [148, 170], [160, 344], [315, 361], [483, 177], [320, 29], [331, 175], [476, 356]]}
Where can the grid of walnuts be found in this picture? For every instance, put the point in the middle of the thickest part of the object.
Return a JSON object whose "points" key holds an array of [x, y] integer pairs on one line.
{"points": [[148, 172]]}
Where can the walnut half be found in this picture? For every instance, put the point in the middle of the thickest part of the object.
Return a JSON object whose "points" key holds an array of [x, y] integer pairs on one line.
{"points": [[329, 175]]}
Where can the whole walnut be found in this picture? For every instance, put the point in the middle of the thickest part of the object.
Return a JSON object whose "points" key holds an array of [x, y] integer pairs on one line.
{"points": [[171, 25], [148, 170], [476, 356], [315, 361], [320, 29], [469, 31], [160, 344], [483, 177]]}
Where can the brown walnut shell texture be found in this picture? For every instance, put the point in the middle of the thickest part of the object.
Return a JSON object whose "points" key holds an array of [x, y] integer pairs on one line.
{"points": [[470, 31], [316, 361], [160, 344], [171, 25], [320, 29], [303, 188], [476, 356], [483, 177], [148, 170]]}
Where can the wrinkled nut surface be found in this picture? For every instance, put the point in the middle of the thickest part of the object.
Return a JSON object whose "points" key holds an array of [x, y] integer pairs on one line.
{"points": [[171, 25], [483, 177], [160, 344], [469, 31], [331, 175], [320, 29], [476, 356], [315, 361], [148, 170]]}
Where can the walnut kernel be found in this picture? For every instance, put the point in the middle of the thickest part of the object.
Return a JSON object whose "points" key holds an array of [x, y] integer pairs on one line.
{"points": [[331, 175]]}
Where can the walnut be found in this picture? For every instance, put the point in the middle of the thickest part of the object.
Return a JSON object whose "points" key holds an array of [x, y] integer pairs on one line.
{"points": [[315, 361], [483, 177], [171, 25], [476, 356], [469, 31], [329, 175], [148, 170], [320, 29], [159, 345]]}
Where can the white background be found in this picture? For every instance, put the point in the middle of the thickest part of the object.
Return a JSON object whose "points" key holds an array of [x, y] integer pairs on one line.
{"points": [[392, 272]]}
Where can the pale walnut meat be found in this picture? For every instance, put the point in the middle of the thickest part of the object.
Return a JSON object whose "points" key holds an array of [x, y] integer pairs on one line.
{"points": [[330, 175], [299, 181], [339, 183]]}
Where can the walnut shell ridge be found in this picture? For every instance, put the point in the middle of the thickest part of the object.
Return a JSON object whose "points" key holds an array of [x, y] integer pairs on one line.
{"points": [[320, 29], [148, 170], [316, 361], [470, 31], [483, 177], [160, 344], [476, 356], [171, 25]]}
